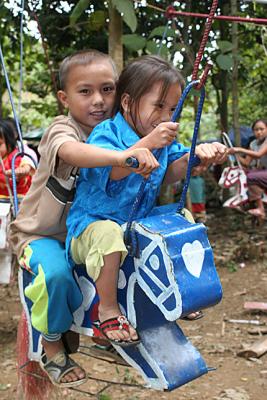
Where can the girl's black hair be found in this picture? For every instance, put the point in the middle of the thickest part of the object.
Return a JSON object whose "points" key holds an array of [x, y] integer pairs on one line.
{"points": [[7, 134], [258, 120], [138, 77]]}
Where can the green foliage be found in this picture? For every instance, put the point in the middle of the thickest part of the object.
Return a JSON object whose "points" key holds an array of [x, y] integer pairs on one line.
{"points": [[134, 42], [231, 266], [224, 46], [80, 7], [126, 9], [225, 61], [97, 20], [84, 25], [160, 30], [104, 396]]}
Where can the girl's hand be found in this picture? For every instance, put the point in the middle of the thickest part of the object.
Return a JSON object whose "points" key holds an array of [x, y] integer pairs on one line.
{"points": [[147, 161], [234, 150], [210, 153], [20, 171], [163, 135]]}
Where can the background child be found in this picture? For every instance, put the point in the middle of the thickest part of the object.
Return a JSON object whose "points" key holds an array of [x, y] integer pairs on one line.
{"points": [[257, 176], [28, 150], [87, 90], [198, 198], [23, 169], [147, 93]]}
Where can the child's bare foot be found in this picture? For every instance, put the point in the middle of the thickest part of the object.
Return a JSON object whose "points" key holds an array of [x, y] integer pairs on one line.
{"points": [[257, 212], [116, 326], [52, 349]]}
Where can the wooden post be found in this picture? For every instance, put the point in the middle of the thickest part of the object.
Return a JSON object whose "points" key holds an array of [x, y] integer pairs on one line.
{"points": [[235, 109], [115, 48]]}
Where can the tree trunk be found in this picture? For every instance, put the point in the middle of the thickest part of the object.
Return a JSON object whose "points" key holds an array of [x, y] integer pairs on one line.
{"points": [[235, 109], [223, 106], [115, 48]]}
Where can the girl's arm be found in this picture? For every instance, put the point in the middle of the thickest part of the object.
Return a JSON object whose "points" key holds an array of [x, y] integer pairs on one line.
{"points": [[208, 153], [253, 154], [163, 135], [22, 168]]}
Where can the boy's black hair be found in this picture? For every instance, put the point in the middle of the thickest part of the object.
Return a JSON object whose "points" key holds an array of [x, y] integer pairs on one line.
{"points": [[7, 134], [83, 57], [138, 77]]}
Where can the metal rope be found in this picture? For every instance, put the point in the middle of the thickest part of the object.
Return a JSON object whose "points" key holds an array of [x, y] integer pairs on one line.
{"points": [[163, 37], [20, 153]]}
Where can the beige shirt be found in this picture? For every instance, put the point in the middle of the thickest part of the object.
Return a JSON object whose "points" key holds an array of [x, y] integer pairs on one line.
{"points": [[43, 210]]}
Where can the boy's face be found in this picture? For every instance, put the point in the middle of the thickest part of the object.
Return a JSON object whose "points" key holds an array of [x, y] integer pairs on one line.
{"points": [[151, 111], [89, 93]]}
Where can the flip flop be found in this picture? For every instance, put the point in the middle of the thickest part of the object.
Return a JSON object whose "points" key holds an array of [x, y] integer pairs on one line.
{"points": [[114, 324], [199, 315], [59, 366]]}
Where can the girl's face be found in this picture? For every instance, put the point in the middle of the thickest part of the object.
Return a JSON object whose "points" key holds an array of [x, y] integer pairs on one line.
{"points": [[3, 148], [150, 111], [260, 130], [90, 93]]}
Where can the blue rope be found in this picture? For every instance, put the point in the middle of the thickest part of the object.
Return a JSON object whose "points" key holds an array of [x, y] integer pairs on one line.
{"points": [[193, 160], [130, 235]]}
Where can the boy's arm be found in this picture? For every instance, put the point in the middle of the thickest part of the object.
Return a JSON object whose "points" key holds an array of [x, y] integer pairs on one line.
{"points": [[84, 155]]}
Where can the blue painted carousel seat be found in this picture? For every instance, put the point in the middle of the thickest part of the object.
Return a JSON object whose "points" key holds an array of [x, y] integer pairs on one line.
{"points": [[174, 276]]}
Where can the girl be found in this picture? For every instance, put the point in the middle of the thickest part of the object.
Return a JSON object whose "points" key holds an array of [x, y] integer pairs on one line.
{"points": [[257, 177], [23, 169], [147, 93]]}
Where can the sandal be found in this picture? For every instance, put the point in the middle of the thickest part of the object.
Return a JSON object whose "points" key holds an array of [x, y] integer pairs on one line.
{"points": [[59, 366], [114, 324], [199, 315]]}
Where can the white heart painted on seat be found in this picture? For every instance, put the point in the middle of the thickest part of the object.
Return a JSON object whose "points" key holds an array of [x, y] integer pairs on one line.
{"points": [[193, 256]]}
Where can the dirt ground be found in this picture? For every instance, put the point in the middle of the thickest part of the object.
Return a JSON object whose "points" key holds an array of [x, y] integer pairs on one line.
{"points": [[241, 257]]}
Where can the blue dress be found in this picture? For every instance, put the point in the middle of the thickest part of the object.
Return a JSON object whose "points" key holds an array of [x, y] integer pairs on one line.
{"points": [[100, 198]]}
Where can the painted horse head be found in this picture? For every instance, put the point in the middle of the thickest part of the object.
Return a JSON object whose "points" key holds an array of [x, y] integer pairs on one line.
{"points": [[234, 176]]}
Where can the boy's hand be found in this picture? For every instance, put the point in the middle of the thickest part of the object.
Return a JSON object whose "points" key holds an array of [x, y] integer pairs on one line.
{"points": [[163, 135], [147, 161], [210, 153]]}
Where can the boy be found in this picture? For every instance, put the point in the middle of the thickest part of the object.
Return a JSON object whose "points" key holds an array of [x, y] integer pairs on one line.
{"points": [[87, 89]]}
